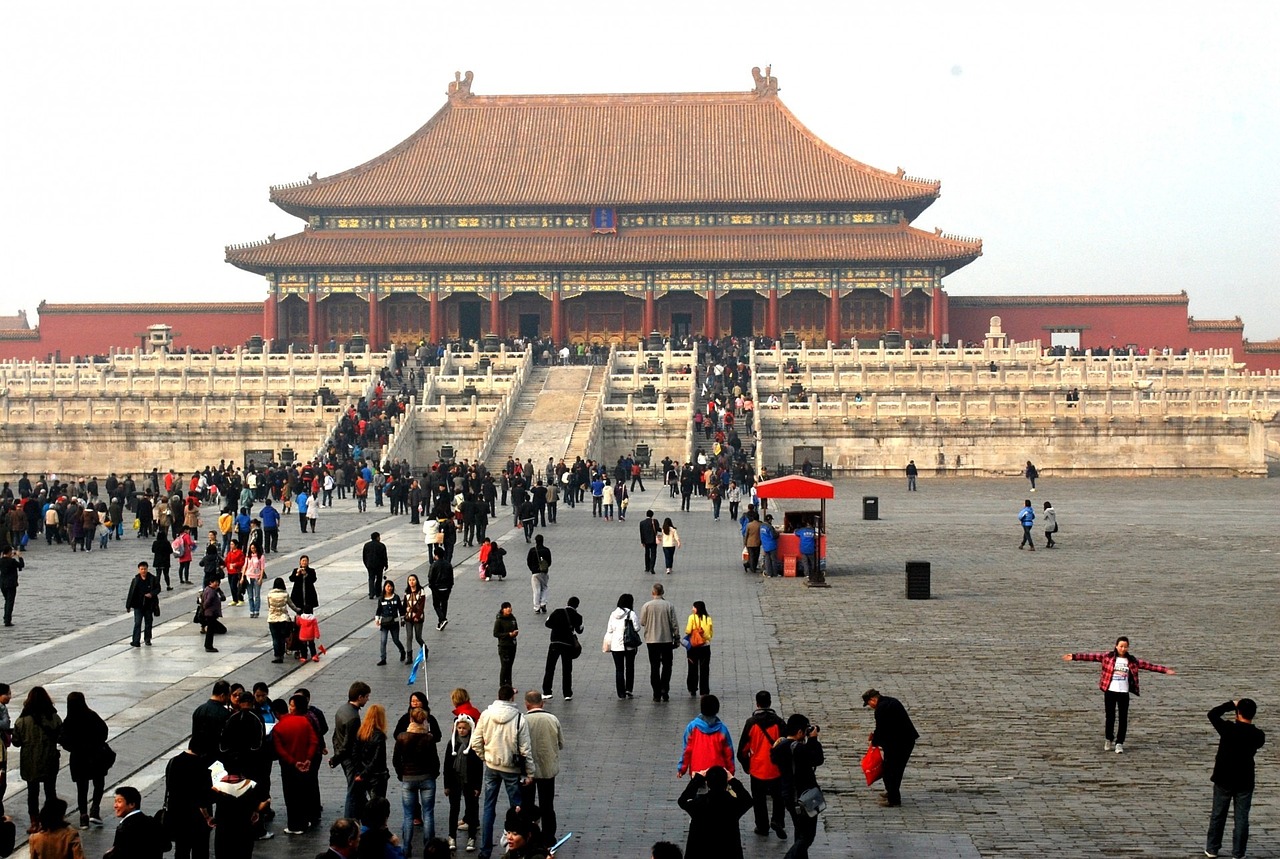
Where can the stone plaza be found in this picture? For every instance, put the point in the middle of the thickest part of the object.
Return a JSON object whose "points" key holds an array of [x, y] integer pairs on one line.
{"points": [[1010, 762]]}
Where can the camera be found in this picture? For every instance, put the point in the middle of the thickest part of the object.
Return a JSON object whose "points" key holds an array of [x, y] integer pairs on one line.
{"points": [[811, 730]]}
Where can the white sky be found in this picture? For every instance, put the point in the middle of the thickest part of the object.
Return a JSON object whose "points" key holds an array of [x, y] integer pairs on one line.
{"points": [[1093, 149]]}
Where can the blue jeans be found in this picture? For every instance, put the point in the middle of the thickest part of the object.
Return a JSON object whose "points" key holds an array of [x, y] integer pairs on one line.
{"points": [[142, 618], [253, 589], [418, 800], [1218, 820], [492, 778]]}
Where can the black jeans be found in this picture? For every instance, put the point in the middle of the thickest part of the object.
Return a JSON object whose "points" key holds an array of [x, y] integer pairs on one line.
{"points": [[699, 682], [650, 556], [212, 627], [440, 602], [660, 669], [624, 671], [1223, 798], [33, 793], [10, 594], [761, 792], [1112, 700], [506, 659], [542, 793], [94, 808], [806, 830], [563, 653]]}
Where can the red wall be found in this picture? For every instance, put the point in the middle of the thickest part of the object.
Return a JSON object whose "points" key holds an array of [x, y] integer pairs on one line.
{"points": [[1152, 322], [95, 329]]}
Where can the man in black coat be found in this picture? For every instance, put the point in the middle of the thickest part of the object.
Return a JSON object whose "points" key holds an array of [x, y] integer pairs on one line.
{"points": [[138, 836], [649, 539], [896, 737], [375, 563], [1233, 773], [144, 601], [11, 564]]}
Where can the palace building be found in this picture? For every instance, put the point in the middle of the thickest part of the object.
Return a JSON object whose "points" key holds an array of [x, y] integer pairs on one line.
{"points": [[602, 218]]}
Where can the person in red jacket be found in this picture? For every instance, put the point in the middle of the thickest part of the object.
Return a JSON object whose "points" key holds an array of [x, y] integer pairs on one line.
{"points": [[758, 736], [296, 744], [462, 705], [707, 742], [1119, 678]]}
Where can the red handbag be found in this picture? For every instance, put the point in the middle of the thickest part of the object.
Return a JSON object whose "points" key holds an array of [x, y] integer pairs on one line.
{"points": [[872, 764]]}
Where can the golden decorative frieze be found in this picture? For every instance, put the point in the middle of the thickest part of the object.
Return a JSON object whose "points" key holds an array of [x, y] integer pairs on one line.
{"points": [[535, 221]]}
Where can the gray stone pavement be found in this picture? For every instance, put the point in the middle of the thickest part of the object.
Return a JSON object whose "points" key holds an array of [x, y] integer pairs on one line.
{"points": [[1010, 762]]}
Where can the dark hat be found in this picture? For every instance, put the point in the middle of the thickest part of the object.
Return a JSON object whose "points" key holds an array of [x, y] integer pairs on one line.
{"points": [[868, 695]]}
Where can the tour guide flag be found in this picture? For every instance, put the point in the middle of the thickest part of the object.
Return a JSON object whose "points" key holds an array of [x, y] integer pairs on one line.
{"points": [[417, 663]]}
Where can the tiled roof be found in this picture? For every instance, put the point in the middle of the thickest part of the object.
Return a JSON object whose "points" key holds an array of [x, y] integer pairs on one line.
{"points": [[672, 149], [1064, 300], [312, 249], [1215, 324], [17, 322], [165, 307]]}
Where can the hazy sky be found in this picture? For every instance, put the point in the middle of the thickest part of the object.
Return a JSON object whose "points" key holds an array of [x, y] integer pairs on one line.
{"points": [[1093, 148]]}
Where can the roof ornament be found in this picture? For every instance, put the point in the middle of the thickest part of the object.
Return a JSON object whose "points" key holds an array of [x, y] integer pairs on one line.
{"points": [[766, 84], [460, 86], [314, 178]]}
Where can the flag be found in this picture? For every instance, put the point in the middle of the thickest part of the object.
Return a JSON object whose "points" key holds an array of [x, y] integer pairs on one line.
{"points": [[418, 662]]}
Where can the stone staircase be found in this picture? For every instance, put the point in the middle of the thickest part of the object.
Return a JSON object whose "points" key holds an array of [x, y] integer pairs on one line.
{"points": [[509, 440], [580, 439]]}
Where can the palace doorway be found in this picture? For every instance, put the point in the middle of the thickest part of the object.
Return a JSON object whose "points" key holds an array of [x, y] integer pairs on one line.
{"points": [[681, 326], [742, 323], [529, 324], [468, 320]]}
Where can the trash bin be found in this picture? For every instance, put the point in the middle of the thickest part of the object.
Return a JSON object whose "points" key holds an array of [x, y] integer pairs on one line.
{"points": [[918, 580], [870, 507]]}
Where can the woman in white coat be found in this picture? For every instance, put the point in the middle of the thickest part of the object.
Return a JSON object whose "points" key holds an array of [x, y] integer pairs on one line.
{"points": [[623, 644]]}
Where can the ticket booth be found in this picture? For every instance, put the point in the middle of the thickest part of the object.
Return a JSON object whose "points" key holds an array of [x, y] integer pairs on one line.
{"points": [[805, 488]]}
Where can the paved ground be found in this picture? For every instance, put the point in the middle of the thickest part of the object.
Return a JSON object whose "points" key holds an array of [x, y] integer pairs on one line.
{"points": [[1010, 762]]}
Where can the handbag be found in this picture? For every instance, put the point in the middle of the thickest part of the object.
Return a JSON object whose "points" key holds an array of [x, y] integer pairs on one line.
{"points": [[746, 555], [107, 758], [873, 764], [813, 802], [575, 649], [697, 638]]}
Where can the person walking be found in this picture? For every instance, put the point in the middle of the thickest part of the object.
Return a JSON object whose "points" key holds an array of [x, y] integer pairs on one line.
{"points": [[11, 564], [761, 731], [896, 737], [751, 541], [376, 564], [369, 760], [387, 619], [622, 639], [706, 742], [1119, 678], [699, 630], [1232, 776], [546, 740], [505, 629], [649, 540], [415, 614], [84, 736], [463, 779], [670, 542], [417, 765], [715, 803], [1050, 525], [661, 628], [143, 600], [211, 598], [539, 563], [161, 555], [565, 625], [1032, 474], [501, 740], [1027, 518], [440, 581], [36, 734], [912, 473], [797, 754], [279, 623]]}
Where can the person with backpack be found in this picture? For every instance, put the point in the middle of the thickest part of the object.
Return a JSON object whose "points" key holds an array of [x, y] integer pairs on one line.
{"points": [[759, 734], [182, 547], [622, 639]]}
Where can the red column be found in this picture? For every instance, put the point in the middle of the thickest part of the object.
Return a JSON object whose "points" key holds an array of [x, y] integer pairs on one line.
{"points": [[711, 325], [375, 341], [495, 314], [435, 317], [557, 318], [833, 316], [650, 314], [945, 327], [270, 317], [313, 318], [895, 310], [771, 318], [935, 317]]}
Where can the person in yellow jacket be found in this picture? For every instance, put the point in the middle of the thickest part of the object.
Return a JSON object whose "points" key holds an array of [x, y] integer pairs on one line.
{"points": [[698, 633]]}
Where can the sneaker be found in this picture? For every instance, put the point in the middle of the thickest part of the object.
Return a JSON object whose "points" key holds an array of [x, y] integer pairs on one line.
{"points": [[568, 697], [1211, 855], [1119, 748], [444, 623], [547, 696], [453, 845], [95, 820], [1107, 745], [315, 658], [471, 845], [288, 831]]}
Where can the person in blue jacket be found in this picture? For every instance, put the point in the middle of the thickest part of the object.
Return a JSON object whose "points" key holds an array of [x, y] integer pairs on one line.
{"points": [[769, 547], [808, 546], [1028, 519], [270, 517]]}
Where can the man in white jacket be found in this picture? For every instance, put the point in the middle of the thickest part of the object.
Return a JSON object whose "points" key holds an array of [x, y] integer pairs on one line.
{"points": [[501, 740]]}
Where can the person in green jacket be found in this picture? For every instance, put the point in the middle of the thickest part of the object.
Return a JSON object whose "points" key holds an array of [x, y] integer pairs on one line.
{"points": [[36, 734]]}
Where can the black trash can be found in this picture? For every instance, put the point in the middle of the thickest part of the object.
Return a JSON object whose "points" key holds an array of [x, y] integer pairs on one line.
{"points": [[918, 580], [870, 507]]}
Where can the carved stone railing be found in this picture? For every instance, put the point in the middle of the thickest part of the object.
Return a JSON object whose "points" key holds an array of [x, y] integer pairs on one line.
{"points": [[497, 420]]}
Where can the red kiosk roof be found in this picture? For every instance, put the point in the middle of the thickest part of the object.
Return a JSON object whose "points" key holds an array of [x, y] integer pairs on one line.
{"points": [[795, 486]]}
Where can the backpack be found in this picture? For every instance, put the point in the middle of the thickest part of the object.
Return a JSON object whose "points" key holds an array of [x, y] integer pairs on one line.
{"points": [[631, 639], [179, 546]]}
